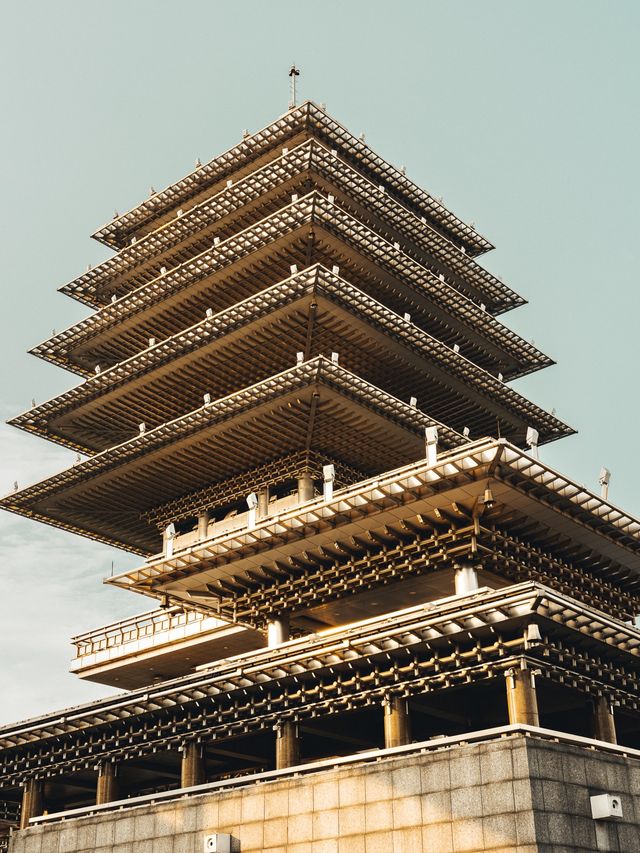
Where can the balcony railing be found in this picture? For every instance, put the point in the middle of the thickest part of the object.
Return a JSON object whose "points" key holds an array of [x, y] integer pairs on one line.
{"points": [[143, 627]]}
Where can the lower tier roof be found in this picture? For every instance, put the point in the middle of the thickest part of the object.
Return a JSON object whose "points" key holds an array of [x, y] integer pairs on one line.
{"points": [[316, 406]]}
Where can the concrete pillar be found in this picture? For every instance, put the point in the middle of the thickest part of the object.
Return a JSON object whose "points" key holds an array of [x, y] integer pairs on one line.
{"points": [[287, 745], [203, 525], [604, 725], [278, 630], [305, 488], [466, 580], [263, 502], [32, 801], [522, 700], [397, 725], [192, 770], [107, 789]]}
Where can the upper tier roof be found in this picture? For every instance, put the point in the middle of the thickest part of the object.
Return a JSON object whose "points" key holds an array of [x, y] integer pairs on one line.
{"points": [[311, 228], [314, 406], [308, 119], [314, 312], [239, 204]]}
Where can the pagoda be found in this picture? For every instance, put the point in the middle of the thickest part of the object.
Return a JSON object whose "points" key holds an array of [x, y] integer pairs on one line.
{"points": [[293, 405]]}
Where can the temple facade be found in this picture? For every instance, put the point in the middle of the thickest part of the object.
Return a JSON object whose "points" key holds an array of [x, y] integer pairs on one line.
{"points": [[379, 621]]}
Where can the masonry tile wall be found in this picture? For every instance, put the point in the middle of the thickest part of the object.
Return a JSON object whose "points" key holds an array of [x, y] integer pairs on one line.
{"points": [[516, 795]]}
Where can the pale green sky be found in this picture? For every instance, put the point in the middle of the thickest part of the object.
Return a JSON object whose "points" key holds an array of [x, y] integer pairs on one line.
{"points": [[524, 116]]}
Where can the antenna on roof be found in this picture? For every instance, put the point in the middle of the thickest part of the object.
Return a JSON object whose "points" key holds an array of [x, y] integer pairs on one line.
{"points": [[293, 73]]}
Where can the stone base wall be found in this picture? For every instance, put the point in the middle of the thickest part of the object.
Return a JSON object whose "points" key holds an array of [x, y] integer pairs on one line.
{"points": [[514, 795]]}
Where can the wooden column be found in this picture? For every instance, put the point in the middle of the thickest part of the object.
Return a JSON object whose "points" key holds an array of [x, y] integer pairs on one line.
{"points": [[278, 630], [263, 502], [604, 725], [203, 525], [32, 801], [192, 771], [522, 700], [305, 488], [397, 725], [107, 788], [287, 745]]}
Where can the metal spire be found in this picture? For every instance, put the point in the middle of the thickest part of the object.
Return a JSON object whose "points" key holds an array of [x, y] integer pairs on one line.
{"points": [[293, 73]]}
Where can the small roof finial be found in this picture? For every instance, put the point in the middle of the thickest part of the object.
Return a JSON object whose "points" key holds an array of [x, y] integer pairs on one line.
{"points": [[293, 73]]}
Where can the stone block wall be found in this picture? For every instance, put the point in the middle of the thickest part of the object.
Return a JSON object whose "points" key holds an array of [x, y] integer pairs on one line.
{"points": [[514, 795]]}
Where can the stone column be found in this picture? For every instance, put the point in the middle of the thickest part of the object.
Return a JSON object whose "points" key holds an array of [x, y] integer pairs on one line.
{"points": [[278, 630], [107, 789], [263, 503], [397, 725], [604, 725], [305, 488], [192, 771], [32, 801], [287, 745], [466, 580], [203, 525], [522, 701]]}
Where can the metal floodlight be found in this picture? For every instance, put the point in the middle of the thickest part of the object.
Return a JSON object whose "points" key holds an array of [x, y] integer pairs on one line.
{"points": [[328, 473], [252, 500], [605, 477], [294, 197], [335, 269], [294, 269], [216, 241], [328, 477], [331, 198], [532, 437], [114, 298], [396, 246], [466, 431], [299, 358], [163, 270], [413, 402], [456, 347], [207, 399], [533, 634], [209, 313], [483, 307], [152, 342], [431, 441], [500, 377], [142, 428], [97, 369], [229, 183], [335, 357], [170, 530], [407, 317], [487, 499]]}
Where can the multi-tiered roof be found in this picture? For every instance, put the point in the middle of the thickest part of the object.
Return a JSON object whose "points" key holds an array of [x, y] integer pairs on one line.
{"points": [[293, 303], [274, 339]]}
